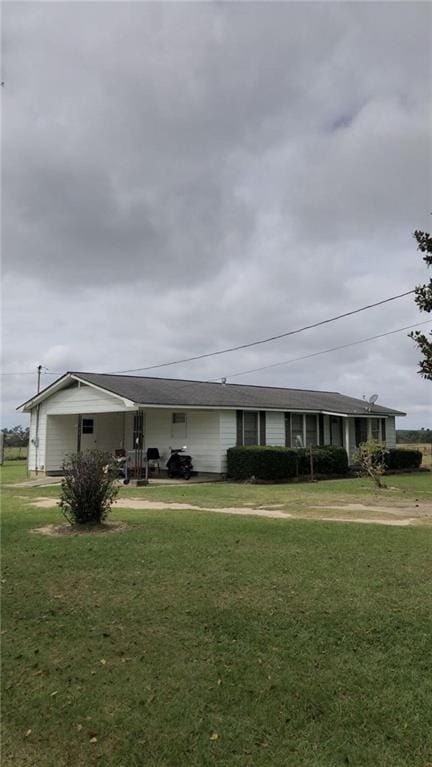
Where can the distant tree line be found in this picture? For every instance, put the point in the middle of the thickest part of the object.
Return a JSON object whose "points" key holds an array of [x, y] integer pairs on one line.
{"points": [[413, 436]]}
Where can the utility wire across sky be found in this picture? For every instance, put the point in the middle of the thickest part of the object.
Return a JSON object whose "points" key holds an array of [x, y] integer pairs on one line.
{"points": [[326, 351], [263, 340]]}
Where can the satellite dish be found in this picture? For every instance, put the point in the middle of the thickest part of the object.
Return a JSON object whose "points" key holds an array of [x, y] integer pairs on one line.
{"points": [[373, 399]]}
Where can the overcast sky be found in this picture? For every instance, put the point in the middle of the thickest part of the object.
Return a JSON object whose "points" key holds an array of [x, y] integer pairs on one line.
{"points": [[182, 177]]}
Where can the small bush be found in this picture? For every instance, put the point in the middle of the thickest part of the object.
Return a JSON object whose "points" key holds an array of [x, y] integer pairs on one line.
{"points": [[87, 490], [328, 460], [371, 457], [274, 463], [399, 458]]}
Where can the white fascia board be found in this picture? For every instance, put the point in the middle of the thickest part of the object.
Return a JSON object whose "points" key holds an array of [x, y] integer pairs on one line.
{"points": [[227, 407], [54, 387], [126, 402], [27, 406], [370, 415]]}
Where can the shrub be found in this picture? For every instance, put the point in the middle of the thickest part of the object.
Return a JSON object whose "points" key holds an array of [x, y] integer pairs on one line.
{"points": [[88, 489], [371, 457], [399, 458], [329, 460], [276, 463]]}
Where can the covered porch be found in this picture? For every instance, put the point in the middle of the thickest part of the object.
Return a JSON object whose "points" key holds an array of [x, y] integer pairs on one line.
{"points": [[133, 433]]}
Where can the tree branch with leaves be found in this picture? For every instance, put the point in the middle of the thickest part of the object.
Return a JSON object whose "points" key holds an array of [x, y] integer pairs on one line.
{"points": [[423, 299]]}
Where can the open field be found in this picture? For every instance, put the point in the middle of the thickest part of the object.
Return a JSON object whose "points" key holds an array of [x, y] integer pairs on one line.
{"points": [[195, 638], [15, 453]]}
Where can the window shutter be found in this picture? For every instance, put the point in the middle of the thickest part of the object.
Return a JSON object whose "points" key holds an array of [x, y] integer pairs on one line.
{"points": [[239, 442], [262, 422], [287, 429], [383, 430], [321, 428]]}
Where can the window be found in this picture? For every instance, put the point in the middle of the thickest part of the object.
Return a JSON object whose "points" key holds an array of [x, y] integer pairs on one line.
{"points": [[179, 417], [138, 432], [361, 431], [311, 430], [251, 427], [296, 430], [87, 425], [383, 430], [301, 430], [375, 429]]}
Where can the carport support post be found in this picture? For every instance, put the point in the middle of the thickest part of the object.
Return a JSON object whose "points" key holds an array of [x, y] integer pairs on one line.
{"points": [[347, 439], [79, 430]]}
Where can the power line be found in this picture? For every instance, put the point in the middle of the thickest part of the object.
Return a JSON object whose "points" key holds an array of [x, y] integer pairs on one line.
{"points": [[257, 343], [264, 340], [326, 351], [31, 373]]}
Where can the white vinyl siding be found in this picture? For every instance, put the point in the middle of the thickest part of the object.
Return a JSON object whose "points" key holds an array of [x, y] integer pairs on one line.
{"points": [[202, 438], [61, 439], [179, 428], [228, 434], [85, 400], [62, 433], [37, 452]]}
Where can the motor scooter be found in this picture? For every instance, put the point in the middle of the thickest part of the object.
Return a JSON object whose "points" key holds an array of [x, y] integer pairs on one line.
{"points": [[179, 464]]}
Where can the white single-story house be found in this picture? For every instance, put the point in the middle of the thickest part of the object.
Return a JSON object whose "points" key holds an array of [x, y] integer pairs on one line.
{"points": [[80, 411]]}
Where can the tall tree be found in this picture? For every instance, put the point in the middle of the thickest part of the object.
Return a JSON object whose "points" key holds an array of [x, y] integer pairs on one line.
{"points": [[423, 299]]}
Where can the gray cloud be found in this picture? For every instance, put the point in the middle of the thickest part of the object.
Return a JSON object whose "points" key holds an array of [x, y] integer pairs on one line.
{"points": [[183, 177]]}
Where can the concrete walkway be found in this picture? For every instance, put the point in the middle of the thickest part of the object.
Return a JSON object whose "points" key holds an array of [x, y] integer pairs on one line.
{"points": [[43, 482], [200, 479]]}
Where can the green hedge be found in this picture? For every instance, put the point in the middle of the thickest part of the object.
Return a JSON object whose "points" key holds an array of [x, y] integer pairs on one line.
{"points": [[400, 458], [277, 463]]}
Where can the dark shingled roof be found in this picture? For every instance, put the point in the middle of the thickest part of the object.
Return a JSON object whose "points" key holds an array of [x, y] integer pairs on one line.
{"points": [[169, 391]]}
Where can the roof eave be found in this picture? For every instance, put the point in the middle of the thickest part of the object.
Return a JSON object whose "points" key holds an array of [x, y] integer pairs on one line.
{"points": [[56, 385]]}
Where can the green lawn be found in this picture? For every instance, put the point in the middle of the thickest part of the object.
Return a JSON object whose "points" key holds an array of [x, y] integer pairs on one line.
{"points": [[202, 639]]}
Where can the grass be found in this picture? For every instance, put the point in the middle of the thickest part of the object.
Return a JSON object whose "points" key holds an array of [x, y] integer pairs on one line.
{"points": [[13, 471], [200, 639]]}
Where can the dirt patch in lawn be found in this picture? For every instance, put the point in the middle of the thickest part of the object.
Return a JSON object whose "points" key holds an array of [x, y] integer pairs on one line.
{"points": [[45, 503], [351, 512], [425, 509], [68, 530]]}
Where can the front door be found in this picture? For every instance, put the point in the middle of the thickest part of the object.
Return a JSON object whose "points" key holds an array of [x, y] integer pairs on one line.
{"points": [[88, 433]]}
